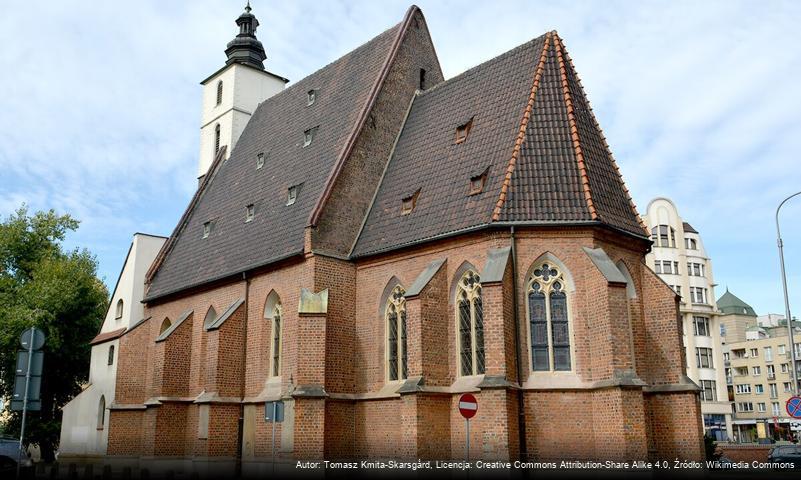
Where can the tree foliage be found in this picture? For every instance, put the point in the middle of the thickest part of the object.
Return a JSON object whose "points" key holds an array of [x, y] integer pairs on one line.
{"points": [[57, 291]]}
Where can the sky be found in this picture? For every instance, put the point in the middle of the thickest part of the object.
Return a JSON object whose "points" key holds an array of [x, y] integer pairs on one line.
{"points": [[699, 101]]}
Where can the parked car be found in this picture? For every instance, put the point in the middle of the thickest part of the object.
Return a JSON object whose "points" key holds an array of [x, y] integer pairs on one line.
{"points": [[786, 454], [10, 452]]}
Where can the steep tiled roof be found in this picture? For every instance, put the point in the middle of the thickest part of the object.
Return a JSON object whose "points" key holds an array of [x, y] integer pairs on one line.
{"points": [[532, 130], [688, 228], [276, 129]]}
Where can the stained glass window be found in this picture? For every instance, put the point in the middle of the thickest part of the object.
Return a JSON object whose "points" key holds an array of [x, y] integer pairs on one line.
{"points": [[549, 326], [470, 318], [397, 368]]}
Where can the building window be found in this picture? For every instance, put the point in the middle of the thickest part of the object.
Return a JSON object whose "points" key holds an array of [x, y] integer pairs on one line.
{"points": [[743, 388], [165, 324], [216, 139], [703, 357], [276, 344], [111, 354], [708, 391], [726, 356], [219, 92], [663, 236], [206, 229], [768, 354], [118, 312], [782, 349], [422, 84], [462, 131], [701, 326], [292, 194], [761, 407], [477, 182], [754, 352], [259, 161], [677, 288], [698, 294], [759, 389], [745, 406], [308, 136], [787, 386], [250, 213], [470, 324], [774, 392], [549, 326], [666, 266], [395, 317], [311, 96], [775, 408], [785, 367], [690, 244], [101, 413], [756, 371], [695, 269], [409, 202]]}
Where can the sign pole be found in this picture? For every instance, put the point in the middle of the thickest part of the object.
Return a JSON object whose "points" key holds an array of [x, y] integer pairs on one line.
{"points": [[275, 411], [25, 399], [468, 438]]}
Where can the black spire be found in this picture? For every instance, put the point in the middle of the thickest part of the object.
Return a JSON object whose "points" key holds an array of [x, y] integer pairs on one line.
{"points": [[245, 48]]}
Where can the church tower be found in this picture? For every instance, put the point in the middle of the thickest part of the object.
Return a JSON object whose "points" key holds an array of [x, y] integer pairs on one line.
{"points": [[232, 93]]}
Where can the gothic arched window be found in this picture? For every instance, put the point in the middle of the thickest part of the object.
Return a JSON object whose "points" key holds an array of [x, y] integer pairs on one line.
{"points": [[276, 343], [101, 413], [549, 325], [470, 323], [165, 324], [219, 92], [395, 315]]}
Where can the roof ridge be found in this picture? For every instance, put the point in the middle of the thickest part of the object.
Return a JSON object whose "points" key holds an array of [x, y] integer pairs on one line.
{"points": [[571, 118], [458, 77], [606, 144], [521, 134], [167, 246], [362, 119]]}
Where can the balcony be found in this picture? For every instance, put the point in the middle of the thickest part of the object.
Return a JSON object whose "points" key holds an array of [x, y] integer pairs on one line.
{"points": [[771, 376]]}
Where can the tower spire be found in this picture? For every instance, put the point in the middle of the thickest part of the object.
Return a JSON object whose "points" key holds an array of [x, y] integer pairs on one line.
{"points": [[245, 47]]}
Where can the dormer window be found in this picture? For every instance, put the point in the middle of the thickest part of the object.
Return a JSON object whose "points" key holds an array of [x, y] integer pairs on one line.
{"points": [[477, 183], [206, 229], [292, 194], [259, 161], [462, 131], [408, 203], [308, 136], [250, 212], [311, 96]]}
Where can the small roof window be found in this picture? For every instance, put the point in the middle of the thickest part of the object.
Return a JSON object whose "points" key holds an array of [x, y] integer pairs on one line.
{"points": [[259, 161], [308, 136], [477, 182], [409, 202], [311, 96], [463, 130], [292, 194], [250, 212]]}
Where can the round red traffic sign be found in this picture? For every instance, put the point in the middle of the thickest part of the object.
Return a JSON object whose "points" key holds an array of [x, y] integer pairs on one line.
{"points": [[468, 405], [794, 407]]}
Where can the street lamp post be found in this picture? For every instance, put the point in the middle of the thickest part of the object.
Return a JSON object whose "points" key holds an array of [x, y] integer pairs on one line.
{"points": [[786, 299]]}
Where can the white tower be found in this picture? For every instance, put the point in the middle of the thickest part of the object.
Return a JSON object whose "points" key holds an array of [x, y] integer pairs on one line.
{"points": [[232, 93]]}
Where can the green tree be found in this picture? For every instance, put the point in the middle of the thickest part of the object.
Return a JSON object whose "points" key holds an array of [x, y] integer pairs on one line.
{"points": [[57, 291]]}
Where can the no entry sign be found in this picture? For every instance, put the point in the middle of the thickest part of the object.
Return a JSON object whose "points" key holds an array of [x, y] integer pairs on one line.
{"points": [[468, 405], [794, 407]]}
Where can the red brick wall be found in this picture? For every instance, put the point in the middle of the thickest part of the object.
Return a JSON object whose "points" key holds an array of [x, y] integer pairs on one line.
{"points": [[674, 425]]}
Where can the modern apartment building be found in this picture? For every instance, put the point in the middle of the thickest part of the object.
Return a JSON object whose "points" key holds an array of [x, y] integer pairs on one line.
{"points": [[679, 258], [757, 362]]}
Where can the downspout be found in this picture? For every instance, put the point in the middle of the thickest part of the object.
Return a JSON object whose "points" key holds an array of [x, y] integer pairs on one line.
{"points": [[521, 414], [241, 422]]}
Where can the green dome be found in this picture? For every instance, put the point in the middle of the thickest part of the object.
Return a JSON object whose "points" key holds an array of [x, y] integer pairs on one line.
{"points": [[729, 304]]}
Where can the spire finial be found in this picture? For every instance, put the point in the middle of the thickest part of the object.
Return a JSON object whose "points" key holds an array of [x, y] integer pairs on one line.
{"points": [[247, 7]]}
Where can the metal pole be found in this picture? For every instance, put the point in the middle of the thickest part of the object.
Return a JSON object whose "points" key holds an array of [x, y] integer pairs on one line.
{"points": [[468, 438], [786, 298], [275, 410], [25, 399]]}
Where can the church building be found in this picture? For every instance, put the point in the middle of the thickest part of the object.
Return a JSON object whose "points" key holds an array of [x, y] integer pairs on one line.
{"points": [[373, 241]]}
